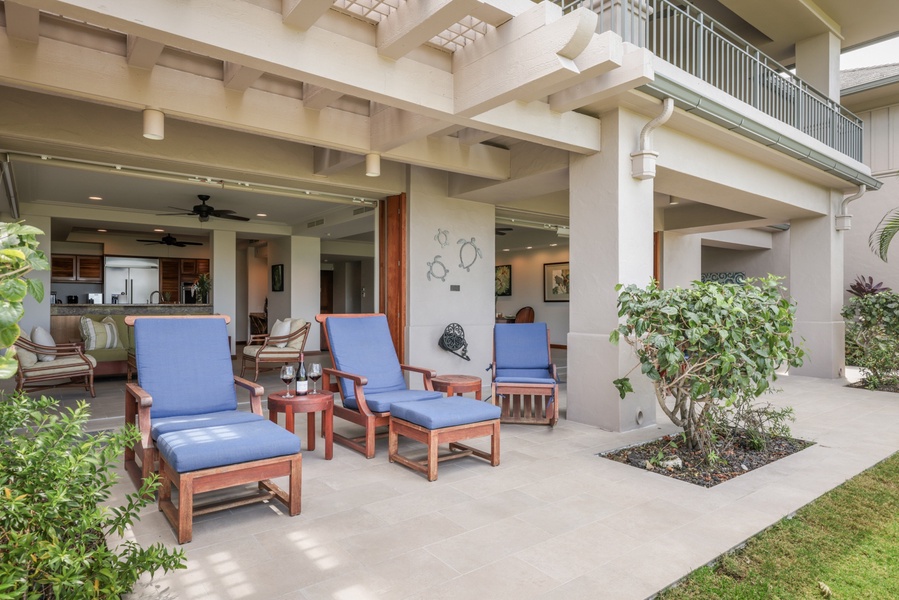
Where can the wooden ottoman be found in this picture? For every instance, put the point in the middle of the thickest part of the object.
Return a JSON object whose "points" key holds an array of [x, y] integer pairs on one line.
{"points": [[443, 421]]}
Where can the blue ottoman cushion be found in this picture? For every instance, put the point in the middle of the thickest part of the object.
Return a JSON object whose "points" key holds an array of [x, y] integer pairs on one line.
{"points": [[215, 419], [206, 447], [383, 401], [445, 412]]}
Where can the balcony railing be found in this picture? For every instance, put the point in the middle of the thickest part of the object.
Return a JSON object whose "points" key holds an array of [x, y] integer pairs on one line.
{"points": [[680, 34]]}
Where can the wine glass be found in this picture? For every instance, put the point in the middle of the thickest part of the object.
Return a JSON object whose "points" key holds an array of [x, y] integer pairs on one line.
{"points": [[315, 373], [287, 374]]}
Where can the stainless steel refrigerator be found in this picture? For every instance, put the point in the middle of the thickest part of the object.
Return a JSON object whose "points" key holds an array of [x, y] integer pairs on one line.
{"points": [[130, 280]]}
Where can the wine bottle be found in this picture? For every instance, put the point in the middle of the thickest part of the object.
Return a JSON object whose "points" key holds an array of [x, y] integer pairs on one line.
{"points": [[302, 383]]}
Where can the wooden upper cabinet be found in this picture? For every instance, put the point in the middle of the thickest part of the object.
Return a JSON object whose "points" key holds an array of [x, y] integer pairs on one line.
{"points": [[69, 267], [189, 269], [170, 280], [89, 269], [202, 266], [62, 267]]}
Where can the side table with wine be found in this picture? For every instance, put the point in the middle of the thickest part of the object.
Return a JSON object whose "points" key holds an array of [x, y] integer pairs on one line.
{"points": [[310, 403]]}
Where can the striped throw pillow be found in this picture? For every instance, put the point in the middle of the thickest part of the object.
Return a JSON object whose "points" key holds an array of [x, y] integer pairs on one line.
{"points": [[99, 334]]}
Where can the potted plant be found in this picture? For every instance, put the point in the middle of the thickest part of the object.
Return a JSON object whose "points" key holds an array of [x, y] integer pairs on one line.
{"points": [[201, 288]]}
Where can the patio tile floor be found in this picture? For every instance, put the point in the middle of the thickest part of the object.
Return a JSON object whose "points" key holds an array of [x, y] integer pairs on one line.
{"points": [[552, 521]]}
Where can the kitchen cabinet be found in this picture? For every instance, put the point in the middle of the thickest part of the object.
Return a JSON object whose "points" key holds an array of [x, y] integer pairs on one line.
{"points": [[70, 267], [202, 266], [170, 279], [188, 269]]}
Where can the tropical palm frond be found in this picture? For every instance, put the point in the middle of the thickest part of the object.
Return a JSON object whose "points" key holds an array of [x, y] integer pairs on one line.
{"points": [[883, 234]]}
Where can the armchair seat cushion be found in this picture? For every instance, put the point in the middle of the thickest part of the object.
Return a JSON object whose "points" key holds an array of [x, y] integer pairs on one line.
{"points": [[383, 401], [207, 447], [271, 352], [108, 354], [520, 374], [217, 419], [445, 412], [65, 366]]}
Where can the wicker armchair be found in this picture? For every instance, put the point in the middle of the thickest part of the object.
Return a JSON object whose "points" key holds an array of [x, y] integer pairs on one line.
{"points": [[68, 366]]}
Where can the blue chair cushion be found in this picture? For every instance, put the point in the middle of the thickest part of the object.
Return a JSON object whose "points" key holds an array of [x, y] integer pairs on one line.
{"points": [[207, 447], [513, 374], [445, 412], [383, 401], [540, 380], [216, 419], [363, 346], [185, 365], [521, 346]]}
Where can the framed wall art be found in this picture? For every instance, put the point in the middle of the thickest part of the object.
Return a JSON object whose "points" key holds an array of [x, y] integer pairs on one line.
{"points": [[556, 282], [504, 280], [278, 278]]}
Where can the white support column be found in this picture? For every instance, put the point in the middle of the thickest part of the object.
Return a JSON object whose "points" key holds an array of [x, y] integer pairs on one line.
{"points": [[224, 278], [303, 280], [611, 243], [37, 314], [818, 63], [816, 284], [681, 259]]}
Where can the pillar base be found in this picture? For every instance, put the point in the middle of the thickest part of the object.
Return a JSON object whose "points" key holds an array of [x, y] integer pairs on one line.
{"points": [[825, 349]]}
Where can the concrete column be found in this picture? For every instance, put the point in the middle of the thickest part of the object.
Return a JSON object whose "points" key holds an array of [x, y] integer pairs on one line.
{"points": [[816, 284], [611, 243], [38, 314], [681, 259], [224, 278], [818, 63]]}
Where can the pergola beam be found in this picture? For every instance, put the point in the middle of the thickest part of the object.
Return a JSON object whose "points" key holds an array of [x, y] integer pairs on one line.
{"points": [[416, 22], [394, 127], [327, 162], [142, 53], [22, 22], [238, 77], [302, 14], [318, 98]]}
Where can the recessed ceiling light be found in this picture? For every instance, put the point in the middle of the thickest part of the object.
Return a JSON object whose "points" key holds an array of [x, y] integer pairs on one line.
{"points": [[553, 245], [95, 197], [261, 215], [102, 230], [157, 230], [530, 247], [505, 249]]}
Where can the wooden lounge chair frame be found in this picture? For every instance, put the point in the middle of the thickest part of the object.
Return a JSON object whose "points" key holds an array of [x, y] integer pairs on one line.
{"points": [[364, 416], [527, 403], [43, 371], [271, 342]]}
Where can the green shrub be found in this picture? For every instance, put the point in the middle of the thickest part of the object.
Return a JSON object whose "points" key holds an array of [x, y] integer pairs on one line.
{"points": [[872, 338], [710, 352], [54, 525]]}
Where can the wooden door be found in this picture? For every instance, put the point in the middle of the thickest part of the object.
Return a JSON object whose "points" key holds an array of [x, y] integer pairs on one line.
{"points": [[392, 268]]}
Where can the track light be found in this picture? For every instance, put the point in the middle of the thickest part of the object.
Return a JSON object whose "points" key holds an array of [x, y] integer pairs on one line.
{"points": [[373, 165], [154, 124]]}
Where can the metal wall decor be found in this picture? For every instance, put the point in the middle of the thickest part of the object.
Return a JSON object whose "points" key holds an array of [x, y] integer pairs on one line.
{"points": [[453, 340], [437, 269], [738, 277], [468, 257], [442, 237]]}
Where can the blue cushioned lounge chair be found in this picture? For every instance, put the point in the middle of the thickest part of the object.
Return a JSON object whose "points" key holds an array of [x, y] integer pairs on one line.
{"points": [[368, 375], [185, 409], [524, 379]]}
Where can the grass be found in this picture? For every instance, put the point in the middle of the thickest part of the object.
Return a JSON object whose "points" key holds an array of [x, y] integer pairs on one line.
{"points": [[843, 545]]}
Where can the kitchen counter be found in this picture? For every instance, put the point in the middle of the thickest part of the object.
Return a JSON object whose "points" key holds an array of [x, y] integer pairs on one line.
{"points": [[76, 310]]}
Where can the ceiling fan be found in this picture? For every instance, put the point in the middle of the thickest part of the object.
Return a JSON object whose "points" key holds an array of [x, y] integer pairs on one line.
{"points": [[170, 240], [502, 230], [204, 211]]}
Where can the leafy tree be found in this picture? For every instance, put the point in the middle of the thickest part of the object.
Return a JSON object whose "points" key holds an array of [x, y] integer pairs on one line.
{"points": [[872, 337], [710, 352], [883, 234], [18, 257]]}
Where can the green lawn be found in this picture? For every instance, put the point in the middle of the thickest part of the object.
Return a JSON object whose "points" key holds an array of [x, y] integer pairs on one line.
{"points": [[846, 542]]}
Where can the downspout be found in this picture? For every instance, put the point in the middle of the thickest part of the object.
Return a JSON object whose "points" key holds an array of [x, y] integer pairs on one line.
{"points": [[842, 219], [643, 162]]}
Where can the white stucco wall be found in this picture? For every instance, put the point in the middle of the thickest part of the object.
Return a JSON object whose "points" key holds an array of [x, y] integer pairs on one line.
{"points": [[527, 288], [755, 263], [432, 305]]}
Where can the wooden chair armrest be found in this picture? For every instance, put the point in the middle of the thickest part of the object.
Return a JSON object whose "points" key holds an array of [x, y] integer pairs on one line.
{"points": [[426, 374], [256, 392], [358, 382], [57, 350], [357, 379], [257, 338], [138, 395], [137, 411]]}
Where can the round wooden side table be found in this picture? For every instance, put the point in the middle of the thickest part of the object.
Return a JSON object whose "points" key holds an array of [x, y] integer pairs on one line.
{"points": [[310, 403], [457, 384]]}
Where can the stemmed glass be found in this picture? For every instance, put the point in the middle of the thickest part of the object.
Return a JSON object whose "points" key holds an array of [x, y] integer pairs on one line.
{"points": [[287, 375], [315, 373]]}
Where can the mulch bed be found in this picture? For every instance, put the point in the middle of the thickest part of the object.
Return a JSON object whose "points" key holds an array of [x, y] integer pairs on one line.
{"points": [[736, 460]]}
